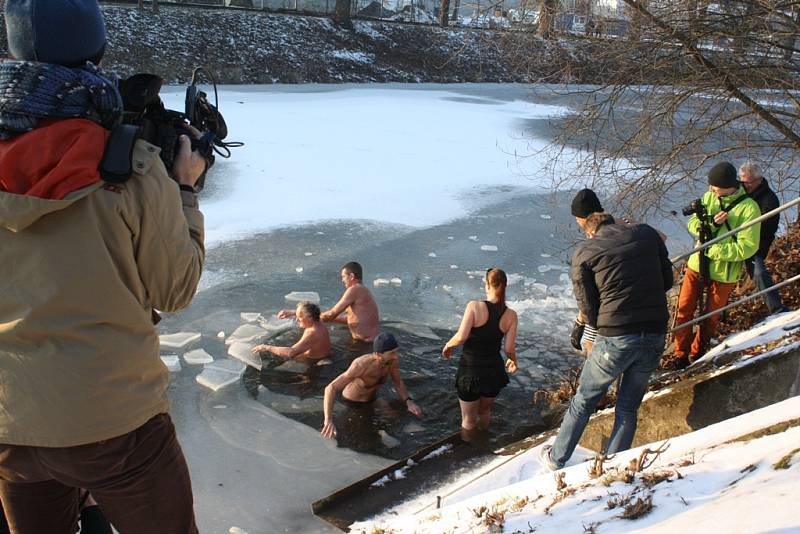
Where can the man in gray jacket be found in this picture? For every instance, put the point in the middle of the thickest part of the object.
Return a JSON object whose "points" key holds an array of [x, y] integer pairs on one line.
{"points": [[83, 265]]}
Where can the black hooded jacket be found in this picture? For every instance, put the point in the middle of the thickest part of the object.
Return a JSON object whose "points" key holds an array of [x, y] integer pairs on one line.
{"points": [[620, 277], [767, 200]]}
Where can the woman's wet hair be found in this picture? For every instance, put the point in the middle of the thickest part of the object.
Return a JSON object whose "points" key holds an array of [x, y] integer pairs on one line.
{"points": [[497, 280], [355, 268], [309, 309]]}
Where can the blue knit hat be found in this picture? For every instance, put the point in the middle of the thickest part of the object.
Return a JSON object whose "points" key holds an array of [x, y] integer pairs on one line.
{"points": [[384, 342], [64, 32]]}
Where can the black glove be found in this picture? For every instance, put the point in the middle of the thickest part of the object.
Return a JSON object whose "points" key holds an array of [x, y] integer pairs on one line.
{"points": [[577, 334]]}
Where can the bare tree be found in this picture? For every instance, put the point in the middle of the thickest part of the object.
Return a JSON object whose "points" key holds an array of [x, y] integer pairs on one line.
{"points": [[547, 17], [341, 14], [154, 2], [444, 13], [700, 83]]}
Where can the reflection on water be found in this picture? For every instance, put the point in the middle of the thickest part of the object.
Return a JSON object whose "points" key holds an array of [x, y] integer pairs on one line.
{"points": [[384, 427]]}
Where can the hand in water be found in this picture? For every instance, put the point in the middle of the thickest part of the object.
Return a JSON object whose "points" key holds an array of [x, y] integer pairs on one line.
{"points": [[415, 410], [447, 352], [511, 366], [328, 430], [284, 314]]}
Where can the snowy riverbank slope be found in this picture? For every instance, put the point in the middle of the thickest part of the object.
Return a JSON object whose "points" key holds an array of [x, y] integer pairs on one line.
{"points": [[247, 47], [739, 475]]}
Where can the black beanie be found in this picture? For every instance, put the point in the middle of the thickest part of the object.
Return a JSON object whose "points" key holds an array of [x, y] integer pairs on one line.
{"points": [[64, 32], [585, 203], [723, 175]]}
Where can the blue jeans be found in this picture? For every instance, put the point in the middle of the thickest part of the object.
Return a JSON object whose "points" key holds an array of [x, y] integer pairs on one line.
{"points": [[758, 272], [634, 357]]}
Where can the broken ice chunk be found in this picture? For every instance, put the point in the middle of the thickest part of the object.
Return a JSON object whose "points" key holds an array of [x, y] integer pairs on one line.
{"points": [[388, 441], [544, 216], [236, 530], [172, 362], [292, 366], [221, 373], [413, 427], [415, 329], [489, 248], [246, 333], [500, 233], [298, 269], [274, 326], [221, 334], [249, 317], [178, 340], [431, 254], [241, 351], [544, 268], [450, 237], [308, 253], [454, 266], [300, 296], [197, 356], [544, 255], [380, 282], [473, 237], [396, 281]]}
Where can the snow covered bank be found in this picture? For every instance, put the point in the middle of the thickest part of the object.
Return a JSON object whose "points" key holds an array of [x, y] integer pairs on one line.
{"points": [[736, 476]]}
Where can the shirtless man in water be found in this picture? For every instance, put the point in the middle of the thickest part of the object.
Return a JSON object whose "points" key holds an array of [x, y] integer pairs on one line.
{"points": [[361, 381], [356, 307], [314, 344]]}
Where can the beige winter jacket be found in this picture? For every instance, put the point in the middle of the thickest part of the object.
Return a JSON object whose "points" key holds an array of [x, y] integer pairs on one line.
{"points": [[79, 278]]}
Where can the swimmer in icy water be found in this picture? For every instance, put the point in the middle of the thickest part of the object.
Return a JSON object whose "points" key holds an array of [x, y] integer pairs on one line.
{"points": [[314, 344], [362, 380], [356, 307]]}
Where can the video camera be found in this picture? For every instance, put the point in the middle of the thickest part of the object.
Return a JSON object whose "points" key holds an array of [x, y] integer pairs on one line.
{"points": [[163, 127]]}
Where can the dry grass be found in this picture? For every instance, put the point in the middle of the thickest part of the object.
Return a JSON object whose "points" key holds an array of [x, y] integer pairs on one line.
{"points": [[638, 508], [786, 461]]}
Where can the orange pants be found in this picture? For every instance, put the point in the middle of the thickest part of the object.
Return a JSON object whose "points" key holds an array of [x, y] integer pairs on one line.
{"points": [[716, 297]]}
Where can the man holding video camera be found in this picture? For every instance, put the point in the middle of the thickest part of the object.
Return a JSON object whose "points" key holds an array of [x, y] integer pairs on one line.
{"points": [[711, 274], [83, 265]]}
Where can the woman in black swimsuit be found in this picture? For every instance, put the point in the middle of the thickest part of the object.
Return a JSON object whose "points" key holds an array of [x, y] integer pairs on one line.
{"points": [[481, 372]]}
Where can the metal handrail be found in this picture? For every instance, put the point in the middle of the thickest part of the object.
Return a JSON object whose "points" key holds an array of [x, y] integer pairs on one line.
{"points": [[788, 281], [748, 224]]}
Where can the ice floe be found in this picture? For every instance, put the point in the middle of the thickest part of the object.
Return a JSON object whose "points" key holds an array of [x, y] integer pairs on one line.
{"points": [[241, 351], [221, 373], [197, 356], [173, 363], [250, 317], [178, 340], [545, 216], [431, 254], [300, 296], [246, 333], [389, 441], [473, 238], [292, 366], [415, 329], [489, 248], [396, 281]]}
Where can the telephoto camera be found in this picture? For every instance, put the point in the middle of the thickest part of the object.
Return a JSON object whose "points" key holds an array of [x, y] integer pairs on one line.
{"points": [[163, 127]]}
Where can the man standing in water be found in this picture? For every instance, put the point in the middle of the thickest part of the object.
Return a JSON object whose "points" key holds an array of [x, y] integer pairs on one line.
{"points": [[362, 380], [620, 275], [356, 307]]}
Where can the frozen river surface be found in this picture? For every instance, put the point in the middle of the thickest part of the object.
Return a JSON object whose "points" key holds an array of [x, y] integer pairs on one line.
{"points": [[423, 186]]}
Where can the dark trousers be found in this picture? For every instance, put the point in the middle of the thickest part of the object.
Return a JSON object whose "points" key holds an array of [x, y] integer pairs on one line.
{"points": [[140, 480], [758, 272]]}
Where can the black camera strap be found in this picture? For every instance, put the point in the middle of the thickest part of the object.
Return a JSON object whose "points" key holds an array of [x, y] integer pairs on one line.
{"points": [[117, 165], [730, 207]]}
